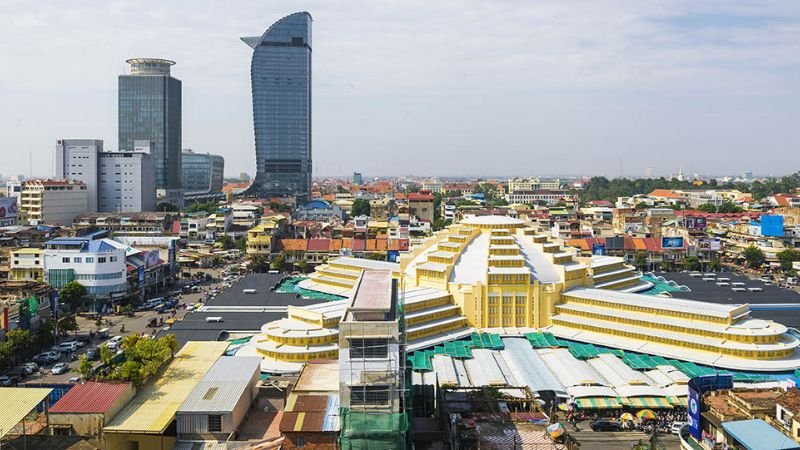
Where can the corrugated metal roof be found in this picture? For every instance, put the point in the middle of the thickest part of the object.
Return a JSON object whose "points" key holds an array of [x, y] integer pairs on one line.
{"points": [[223, 385], [233, 368], [90, 397], [17, 403], [152, 410]]}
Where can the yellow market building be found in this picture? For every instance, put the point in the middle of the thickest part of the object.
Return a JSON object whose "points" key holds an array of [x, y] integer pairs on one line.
{"points": [[498, 274]]}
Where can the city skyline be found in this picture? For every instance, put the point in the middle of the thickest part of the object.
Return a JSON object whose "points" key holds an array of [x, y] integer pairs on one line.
{"points": [[613, 90]]}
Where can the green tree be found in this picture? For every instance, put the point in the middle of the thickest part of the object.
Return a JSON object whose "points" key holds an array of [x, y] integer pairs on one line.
{"points": [[106, 355], [85, 367], [277, 262], [714, 265], [66, 325], [787, 257], [167, 207], [226, 242], [302, 265], [19, 344], [754, 257], [640, 260], [241, 244], [691, 263], [360, 208], [209, 207], [72, 294]]}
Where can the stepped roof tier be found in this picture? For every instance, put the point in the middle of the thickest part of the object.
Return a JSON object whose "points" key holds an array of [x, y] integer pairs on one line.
{"points": [[501, 274]]}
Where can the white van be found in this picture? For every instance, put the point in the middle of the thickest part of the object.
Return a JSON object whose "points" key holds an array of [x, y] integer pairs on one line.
{"points": [[249, 291]]}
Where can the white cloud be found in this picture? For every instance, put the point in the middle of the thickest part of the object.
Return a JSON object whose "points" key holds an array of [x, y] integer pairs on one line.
{"points": [[539, 85]]}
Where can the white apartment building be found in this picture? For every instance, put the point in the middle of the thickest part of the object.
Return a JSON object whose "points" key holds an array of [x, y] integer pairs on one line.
{"points": [[127, 182], [77, 159], [532, 184], [52, 201], [27, 264], [97, 263], [534, 197], [435, 186]]}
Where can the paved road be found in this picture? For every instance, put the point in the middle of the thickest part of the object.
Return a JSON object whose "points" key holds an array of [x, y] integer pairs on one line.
{"points": [[607, 440], [136, 324]]}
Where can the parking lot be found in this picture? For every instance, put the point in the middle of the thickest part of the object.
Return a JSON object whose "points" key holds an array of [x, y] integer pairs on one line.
{"points": [[135, 324], [619, 440]]}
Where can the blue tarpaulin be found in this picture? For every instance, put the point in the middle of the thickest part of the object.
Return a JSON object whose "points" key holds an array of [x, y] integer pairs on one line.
{"points": [[758, 435]]}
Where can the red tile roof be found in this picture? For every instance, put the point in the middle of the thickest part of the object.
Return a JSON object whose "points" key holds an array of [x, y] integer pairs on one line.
{"points": [[319, 245], [294, 244], [421, 196], [790, 400], [90, 397], [665, 193]]}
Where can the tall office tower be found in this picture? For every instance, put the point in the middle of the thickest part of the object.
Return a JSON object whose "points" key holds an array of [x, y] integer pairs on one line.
{"points": [[150, 110], [127, 182], [280, 74], [77, 159], [203, 173]]}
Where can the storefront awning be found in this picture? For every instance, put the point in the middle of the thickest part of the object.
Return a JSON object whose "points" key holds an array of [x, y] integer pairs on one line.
{"points": [[647, 402], [679, 401], [598, 403]]}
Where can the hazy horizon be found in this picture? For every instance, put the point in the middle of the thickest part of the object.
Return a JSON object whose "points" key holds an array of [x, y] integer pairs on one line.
{"points": [[446, 88]]}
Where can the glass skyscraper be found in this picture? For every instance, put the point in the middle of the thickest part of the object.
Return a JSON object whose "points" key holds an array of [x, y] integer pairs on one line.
{"points": [[280, 74], [203, 173], [150, 110]]}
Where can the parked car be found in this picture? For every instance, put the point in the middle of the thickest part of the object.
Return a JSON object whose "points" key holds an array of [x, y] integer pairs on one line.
{"points": [[115, 339], [60, 368], [30, 367], [68, 347], [676, 427], [47, 357], [5, 381], [18, 374], [605, 425], [93, 354]]}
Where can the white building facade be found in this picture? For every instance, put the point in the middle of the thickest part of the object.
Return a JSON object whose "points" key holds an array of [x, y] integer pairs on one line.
{"points": [[97, 264], [77, 159], [127, 182]]}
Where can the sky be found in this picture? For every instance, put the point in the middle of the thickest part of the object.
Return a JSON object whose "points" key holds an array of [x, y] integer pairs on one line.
{"points": [[414, 87]]}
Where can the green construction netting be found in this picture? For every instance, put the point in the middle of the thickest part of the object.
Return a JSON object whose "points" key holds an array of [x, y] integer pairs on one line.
{"points": [[491, 341], [539, 339], [289, 286], [639, 361], [587, 351], [421, 360], [240, 341], [372, 431]]}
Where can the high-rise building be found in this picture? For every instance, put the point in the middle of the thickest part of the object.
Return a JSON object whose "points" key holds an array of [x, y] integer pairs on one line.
{"points": [[280, 74], [77, 159], [127, 182], [202, 173], [358, 179], [150, 110]]}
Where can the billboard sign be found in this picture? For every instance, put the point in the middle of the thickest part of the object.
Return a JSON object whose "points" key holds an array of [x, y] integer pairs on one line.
{"points": [[671, 242], [151, 258], [709, 244], [393, 256], [695, 222], [8, 211], [771, 225], [697, 386], [693, 414], [599, 249]]}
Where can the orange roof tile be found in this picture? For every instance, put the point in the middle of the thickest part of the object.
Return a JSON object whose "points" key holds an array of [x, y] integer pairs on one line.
{"points": [[665, 193], [299, 245]]}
